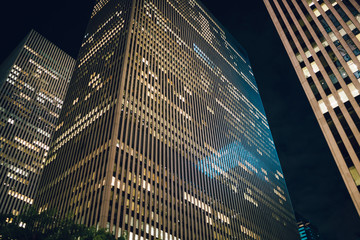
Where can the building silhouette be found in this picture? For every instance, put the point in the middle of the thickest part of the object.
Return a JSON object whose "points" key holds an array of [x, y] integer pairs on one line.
{"points": [[163, 133], [33, 84], [322, 39]]}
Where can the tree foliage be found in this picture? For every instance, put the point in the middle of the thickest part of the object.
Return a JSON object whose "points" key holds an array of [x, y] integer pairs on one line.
{"points": [[47, 225]]}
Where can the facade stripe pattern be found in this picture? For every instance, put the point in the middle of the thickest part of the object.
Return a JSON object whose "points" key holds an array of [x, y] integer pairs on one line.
{"points": [[322, 39], [184, 150], [34, 84]]}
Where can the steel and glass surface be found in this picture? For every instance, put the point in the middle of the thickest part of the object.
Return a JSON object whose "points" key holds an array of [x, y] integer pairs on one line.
{"points": [[163, 133], [322, 39], [33, 84], [307, 230]]}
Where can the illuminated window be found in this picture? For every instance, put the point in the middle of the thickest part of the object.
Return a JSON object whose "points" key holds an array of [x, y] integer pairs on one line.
{"points": [[355, 175]]}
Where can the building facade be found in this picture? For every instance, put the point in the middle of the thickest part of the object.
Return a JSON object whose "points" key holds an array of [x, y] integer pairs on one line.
{"points": [[307, 230], [33, 84], [322, 39], [163, 133]]}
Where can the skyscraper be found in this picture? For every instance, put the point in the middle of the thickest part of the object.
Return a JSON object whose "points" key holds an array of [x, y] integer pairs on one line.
{"points": [[322, 39], [163, 133], [307, 230], [33, 84]]}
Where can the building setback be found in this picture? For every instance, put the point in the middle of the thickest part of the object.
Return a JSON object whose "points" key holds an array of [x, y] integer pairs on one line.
{"points": [[322, 39], [33, 84], [163, 133]]}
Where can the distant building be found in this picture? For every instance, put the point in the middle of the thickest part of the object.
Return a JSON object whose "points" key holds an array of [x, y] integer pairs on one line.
{"points": [[163, 133], [307, 231], [33, 84], [322, 39]]}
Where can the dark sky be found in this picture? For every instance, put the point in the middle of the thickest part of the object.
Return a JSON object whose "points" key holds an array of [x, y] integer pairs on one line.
{"points": [[314, 183]]}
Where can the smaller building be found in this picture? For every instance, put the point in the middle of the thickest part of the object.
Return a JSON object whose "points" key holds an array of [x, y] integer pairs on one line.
{"points": [[307, 231], [33, 83]]}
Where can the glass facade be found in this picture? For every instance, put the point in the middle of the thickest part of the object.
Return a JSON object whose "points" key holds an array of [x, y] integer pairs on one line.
{"points": [[163, 133], [322, 39], [307, 231], [33, 84]]}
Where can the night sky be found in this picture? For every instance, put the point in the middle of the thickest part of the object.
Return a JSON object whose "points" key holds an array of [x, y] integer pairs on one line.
{"points": [[315, 185]]}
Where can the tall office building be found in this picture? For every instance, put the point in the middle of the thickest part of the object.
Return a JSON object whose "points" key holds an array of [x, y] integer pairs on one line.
{"points": [[33, 84], [307, 230], [322, 39], [163, 133]]}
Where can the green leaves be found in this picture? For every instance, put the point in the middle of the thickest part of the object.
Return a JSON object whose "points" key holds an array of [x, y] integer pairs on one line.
{"points": [[30, 225]]}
